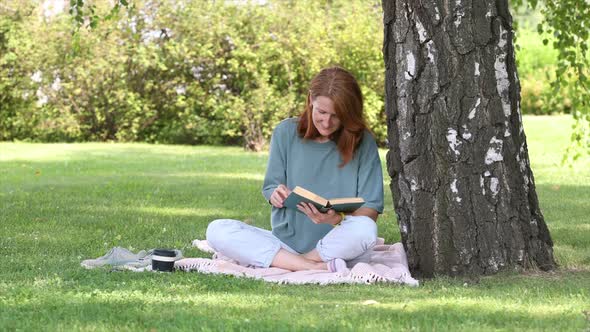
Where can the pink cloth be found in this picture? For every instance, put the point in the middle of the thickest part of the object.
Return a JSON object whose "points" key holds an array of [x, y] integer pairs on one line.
{"points": [[384, 263]]}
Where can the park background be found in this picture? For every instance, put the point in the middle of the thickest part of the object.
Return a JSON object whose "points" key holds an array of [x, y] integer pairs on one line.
{"points": [[132, 134], [207, 72]]}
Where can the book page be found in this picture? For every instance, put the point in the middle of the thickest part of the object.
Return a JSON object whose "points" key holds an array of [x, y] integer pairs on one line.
{"points": [[311, 196], [347, 200]]}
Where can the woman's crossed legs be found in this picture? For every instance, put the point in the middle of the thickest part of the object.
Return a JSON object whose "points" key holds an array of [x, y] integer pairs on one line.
{"points": [[255, 246]]}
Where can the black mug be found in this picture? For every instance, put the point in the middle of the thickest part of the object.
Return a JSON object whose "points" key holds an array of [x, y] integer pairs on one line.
{"points": [[163, 260]]}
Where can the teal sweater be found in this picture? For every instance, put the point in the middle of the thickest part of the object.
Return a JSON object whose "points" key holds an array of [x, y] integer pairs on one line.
{"points": [[294, 161]]}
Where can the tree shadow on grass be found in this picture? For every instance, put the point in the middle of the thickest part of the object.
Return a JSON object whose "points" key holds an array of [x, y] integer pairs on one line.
{"points": [[565, 208], [135, 201], [74, 221], [159, 311], [197, 197]]}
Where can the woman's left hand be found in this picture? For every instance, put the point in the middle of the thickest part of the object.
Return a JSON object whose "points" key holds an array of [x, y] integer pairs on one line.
{"points": [[330, 217]]}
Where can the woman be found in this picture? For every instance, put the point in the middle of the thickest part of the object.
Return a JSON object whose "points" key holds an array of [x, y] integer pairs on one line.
{"points": [[329, 151]]}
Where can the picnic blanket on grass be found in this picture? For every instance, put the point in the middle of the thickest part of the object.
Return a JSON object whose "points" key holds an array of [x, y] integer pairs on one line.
{"points": [[383, 264]]}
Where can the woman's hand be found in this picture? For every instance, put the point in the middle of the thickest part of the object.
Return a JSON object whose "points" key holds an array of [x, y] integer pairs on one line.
{"points": [[279, 195], [330, 217]]}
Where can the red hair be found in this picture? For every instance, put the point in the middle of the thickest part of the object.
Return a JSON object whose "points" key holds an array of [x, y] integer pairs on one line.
{"points": [[342, 88]]}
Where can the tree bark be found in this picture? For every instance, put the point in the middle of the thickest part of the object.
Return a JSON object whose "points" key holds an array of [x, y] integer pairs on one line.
{"points": [[462, 185]]}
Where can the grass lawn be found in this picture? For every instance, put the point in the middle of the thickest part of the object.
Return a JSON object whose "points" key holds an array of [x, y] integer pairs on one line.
{"points": [[62, 203]]}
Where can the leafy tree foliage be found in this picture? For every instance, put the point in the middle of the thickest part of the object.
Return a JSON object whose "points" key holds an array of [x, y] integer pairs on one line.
{"points": [[185, 72], [569, 22], [12, 80], [219, 72]]}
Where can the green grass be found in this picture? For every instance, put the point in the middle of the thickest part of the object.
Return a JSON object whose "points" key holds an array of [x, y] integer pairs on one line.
{"points": [[61, 203]]}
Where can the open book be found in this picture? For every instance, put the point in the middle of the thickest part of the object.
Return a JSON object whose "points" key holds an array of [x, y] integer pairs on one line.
{"points": [[298, 195]]}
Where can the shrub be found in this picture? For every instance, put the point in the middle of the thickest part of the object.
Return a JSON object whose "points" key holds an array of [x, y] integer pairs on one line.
{"points": [[536, 68], [193, 72]]}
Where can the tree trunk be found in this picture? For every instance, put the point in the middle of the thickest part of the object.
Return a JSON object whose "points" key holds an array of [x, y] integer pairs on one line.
{"points": [[462, 184]]}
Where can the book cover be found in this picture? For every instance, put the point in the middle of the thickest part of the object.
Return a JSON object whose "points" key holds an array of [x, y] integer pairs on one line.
{"points": [[346, 204]]}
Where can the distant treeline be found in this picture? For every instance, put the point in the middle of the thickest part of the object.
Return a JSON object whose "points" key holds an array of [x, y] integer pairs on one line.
{"points": [[187, 72]]}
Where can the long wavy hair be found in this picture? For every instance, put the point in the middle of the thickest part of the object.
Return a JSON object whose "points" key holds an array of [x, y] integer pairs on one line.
{"points": [[342, 88]]}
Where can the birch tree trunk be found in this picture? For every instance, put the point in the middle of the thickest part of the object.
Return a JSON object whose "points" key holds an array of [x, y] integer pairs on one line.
{"points": [[462, 184]]}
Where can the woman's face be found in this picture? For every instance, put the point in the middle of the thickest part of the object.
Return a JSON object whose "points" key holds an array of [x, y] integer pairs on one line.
{"points": [[324, 116]]}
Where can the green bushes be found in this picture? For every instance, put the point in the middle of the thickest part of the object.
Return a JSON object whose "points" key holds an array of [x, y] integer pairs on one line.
{"points": [[200, 72], [536, 68], [214, 72]]}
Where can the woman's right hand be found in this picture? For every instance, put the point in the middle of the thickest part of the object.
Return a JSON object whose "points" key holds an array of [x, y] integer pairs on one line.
{"points": [[279, 195]]}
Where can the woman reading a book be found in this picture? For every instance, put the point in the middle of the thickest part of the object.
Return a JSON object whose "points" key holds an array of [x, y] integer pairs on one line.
{"points": [[329, 151]]}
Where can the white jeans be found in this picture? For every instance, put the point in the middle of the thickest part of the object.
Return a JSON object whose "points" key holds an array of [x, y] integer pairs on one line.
{"points": [[255, 246]]}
